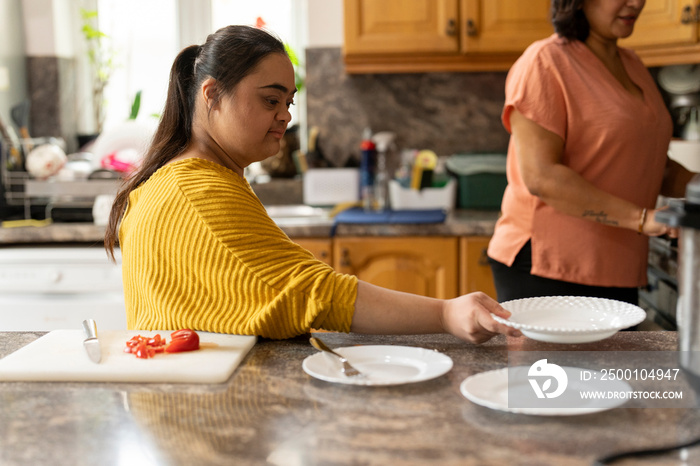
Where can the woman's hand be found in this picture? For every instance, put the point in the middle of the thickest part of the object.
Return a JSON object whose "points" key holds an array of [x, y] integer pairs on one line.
{"points": [[470, 318], [382, 311], [651, 227]]}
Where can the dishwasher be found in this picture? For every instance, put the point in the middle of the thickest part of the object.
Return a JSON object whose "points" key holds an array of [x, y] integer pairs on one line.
{"points": [[45, 288]]}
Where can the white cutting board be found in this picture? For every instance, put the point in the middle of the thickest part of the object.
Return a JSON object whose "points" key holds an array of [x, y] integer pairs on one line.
{"points": [[59, 356]]}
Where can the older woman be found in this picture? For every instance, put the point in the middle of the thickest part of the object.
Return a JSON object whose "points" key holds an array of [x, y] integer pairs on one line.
{"points": [[198, 248], [587, 160]]}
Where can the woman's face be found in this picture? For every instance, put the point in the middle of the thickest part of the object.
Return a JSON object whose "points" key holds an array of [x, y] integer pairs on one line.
{"points": [[612, 19], [248, 125]]}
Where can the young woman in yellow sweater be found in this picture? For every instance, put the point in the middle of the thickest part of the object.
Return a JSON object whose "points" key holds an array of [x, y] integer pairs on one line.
{"points": [[198, 248]]}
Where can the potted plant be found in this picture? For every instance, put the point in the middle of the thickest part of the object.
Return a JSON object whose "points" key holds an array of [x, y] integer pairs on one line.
{"points": [[293, 57], [101, 58]]}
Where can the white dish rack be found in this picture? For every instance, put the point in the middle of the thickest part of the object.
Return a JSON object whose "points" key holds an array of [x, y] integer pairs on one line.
{"points": [[22, 190], [427, 198]]}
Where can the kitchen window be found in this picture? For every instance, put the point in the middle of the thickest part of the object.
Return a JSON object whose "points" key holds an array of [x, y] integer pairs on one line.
{"points": [[145, 48], [148, 35]]}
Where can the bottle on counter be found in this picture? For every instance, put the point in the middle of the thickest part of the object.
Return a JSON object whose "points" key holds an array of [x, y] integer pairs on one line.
{"points": [[367, 169], [384, 143], [403, 173], [381, 183]]}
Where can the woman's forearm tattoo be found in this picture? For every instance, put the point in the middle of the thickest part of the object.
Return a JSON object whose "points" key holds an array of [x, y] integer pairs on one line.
{"points": [[600, 217]]}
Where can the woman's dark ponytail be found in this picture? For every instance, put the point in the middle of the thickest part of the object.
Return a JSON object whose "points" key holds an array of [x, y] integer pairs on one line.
{"points": [[181, 92], [228, 55], [170, 139]]}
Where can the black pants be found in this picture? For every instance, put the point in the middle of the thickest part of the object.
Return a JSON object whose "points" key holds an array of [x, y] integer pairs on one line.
{"points": [[517, 282]]}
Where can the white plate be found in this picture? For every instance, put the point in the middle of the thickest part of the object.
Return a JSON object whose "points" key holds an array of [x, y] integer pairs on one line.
{"points": [[570, 319], [490, 389], [382, 365]]}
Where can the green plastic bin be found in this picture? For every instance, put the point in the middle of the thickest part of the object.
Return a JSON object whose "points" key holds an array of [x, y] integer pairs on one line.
{"points": [[481, 180]]}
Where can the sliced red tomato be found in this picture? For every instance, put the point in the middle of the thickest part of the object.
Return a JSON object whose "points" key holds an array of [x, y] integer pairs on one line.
{"points": [[182, 340], [156, 340], [142, 351], [145, 347], [134, 341]]}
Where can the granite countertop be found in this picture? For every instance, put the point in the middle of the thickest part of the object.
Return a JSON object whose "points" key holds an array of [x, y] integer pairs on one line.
{"points": [[271, 412], [458, 223]]}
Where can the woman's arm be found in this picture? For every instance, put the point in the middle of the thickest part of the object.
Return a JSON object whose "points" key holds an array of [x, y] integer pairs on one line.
{"points": [[539, 160], [382, 311]]}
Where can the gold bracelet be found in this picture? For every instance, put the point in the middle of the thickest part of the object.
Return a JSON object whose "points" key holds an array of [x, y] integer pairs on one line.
{"points": [[642, 220]]}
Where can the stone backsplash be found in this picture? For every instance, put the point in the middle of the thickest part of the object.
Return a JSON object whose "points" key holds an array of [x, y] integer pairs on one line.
{"points": [[51, 85], [448, 113]]}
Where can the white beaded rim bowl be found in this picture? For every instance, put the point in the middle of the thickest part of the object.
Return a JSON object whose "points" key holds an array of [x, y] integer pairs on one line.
{"points": [[570, 319]]}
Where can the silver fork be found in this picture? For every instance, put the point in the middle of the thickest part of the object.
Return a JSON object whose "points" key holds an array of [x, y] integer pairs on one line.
{"points": [[347, 369]]}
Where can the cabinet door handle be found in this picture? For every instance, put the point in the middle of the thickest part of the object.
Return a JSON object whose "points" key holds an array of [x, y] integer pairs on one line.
{"points": [[687, 15], [483, 258], [345, 258], [471, 28], [451, 28]]}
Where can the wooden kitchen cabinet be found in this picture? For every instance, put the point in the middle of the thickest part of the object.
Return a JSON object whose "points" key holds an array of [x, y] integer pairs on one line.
{"points": [[440, 35], [319, 247], [401, 26], [503, 26], [667, 33], [422, 265], [441, 267], [660, 25], [475, 272]]}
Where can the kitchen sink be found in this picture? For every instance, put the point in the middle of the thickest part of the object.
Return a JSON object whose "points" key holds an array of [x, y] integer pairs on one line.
{"points": [[299, 215]]}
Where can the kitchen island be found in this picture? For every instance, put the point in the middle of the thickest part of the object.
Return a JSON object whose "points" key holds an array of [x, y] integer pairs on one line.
{"points": [[271, 412]]}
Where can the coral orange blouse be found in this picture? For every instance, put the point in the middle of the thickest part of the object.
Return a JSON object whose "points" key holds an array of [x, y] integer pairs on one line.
{"points": [[615, 140]]}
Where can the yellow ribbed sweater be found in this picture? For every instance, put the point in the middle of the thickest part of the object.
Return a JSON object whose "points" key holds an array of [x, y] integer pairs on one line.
{"points": [[199, 251]]}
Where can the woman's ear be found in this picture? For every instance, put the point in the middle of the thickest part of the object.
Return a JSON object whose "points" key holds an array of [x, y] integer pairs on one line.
{"points": [[210, 93]]}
